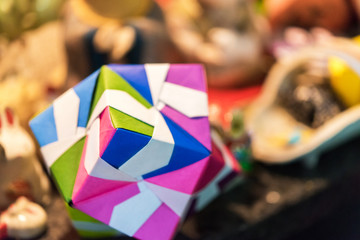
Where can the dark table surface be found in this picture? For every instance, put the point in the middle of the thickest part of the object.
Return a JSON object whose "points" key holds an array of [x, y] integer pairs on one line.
{"points": [[277, 202]]}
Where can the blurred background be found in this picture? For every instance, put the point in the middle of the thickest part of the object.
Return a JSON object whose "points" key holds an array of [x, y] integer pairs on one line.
{"points": [[303, 57]]}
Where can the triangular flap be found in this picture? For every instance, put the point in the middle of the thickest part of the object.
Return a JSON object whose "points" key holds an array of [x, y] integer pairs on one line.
{"points": [[123, 145], [101, 206], [187, 150], [108, 79], [52, 151], [96, 166], [135, 75], [162, 225], [77, 215], [125, 121], [93, 186], [182, 180], [198, 127], [187, 75], [156, 154], [130, 215], [66, 112], [156, 75], [213, 167], [124, 102], [64, 169], [107, 130], [44, 128], [184, 140], [188, 101], [175, 200], [87, 186], [85, 90]]}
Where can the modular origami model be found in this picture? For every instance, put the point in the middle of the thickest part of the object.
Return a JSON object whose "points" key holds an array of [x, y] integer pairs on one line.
{"points": [[130, 146]]}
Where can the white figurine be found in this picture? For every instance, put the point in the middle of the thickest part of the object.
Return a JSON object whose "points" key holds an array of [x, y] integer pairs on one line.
{"points": [[20, 172], [13, 138], [23, 219]]}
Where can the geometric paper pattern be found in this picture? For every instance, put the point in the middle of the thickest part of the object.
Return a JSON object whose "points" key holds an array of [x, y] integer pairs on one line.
{"points": [[130, 146], [88, 227]]}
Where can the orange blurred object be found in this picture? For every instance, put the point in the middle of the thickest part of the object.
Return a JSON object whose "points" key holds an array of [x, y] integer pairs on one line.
{"points": [[163, 3], [334, 15], [97, 13]]}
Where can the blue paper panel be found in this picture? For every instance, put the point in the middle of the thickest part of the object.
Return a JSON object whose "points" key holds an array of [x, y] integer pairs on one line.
{"points": [[123, 146], [85, 90], [44, 128], [135, 75], [187, 150]]}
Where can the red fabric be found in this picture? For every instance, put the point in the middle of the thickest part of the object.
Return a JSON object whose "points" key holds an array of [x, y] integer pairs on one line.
{"points": [[3, 231], [9, 116], [228, 99]]}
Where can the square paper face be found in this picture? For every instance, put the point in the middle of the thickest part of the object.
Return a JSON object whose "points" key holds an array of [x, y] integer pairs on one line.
{"points": [[130, 146]]}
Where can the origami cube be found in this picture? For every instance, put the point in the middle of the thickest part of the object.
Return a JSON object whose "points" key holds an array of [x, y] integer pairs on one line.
{"points": [[130, 146]]}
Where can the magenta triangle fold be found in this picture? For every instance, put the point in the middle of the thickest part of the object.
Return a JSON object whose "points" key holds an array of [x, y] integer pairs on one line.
{"points": [[188, 75], [196, 127]]}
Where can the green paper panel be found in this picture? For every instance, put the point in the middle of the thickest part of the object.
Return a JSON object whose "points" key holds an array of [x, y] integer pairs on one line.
{"points": [[110, 80], [125, 121], [77, 215], [64, 169], [97, 234]]}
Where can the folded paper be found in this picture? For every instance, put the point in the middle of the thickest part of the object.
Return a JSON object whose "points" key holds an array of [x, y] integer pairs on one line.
{"points": [[131, 147], [88, 227]]}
